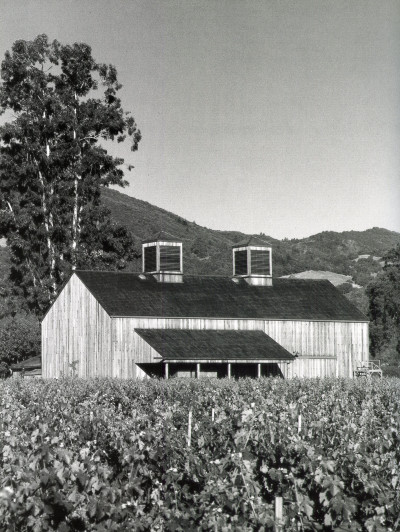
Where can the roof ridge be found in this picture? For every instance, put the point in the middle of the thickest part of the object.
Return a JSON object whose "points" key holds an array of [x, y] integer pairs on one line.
{"points": [[149, 274], [254, 240], [200, 275], [162, 235]]}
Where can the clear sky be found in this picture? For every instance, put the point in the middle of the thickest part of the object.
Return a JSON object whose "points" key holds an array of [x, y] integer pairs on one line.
{"points": [[271, 116]]}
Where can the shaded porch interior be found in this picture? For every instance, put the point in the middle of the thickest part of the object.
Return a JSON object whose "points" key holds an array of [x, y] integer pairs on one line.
{"points": [[211, 370]]}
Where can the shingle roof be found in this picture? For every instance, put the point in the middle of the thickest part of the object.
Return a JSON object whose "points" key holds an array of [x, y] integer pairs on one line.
{"points": [[163, 236], [34, 373], [176, 344], [125, 294], [30, 363], [252, 241]]}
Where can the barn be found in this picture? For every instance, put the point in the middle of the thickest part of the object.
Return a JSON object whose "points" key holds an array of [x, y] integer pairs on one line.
{"points": [[161, 322]]}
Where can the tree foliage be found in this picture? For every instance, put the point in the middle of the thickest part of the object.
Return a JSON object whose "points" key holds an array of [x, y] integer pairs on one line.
{"points": [[384, 306], [19, 338], [53, 165]]}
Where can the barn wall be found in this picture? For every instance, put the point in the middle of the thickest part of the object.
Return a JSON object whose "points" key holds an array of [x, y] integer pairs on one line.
{"points": [[324, 348], [346, 342], [129, 350], [76, 330], [312, 367]]}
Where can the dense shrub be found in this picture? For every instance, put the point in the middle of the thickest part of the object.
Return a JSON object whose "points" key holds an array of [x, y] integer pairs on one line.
{"points": [[5, 370], [107, 455], [19, 338]]}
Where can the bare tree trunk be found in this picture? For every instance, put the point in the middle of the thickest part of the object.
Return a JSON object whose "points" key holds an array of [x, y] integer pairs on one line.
{"points": [[75, 223], [76, 226], [48, 219], [48, 225]]}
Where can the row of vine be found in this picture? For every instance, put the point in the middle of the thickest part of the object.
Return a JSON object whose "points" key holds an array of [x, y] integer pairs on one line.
{"points": [[113, 455]]}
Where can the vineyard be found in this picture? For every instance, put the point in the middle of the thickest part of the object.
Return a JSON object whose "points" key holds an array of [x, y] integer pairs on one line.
{"points": [[185, 455]]}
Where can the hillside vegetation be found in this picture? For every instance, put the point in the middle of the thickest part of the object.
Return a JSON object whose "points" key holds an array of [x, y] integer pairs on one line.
{"points": [[208, 251]]}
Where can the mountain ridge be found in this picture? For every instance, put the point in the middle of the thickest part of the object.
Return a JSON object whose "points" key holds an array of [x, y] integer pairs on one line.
{"points": [[208, 251]]}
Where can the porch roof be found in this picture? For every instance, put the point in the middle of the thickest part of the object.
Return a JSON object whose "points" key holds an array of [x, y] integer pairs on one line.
{"points": [[28, 364], [214, 346]]}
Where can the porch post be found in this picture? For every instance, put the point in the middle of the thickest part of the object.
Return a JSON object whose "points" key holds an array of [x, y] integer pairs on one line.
{"points": [[166, 370], [197, 371], [229, 370], [258, 370]]}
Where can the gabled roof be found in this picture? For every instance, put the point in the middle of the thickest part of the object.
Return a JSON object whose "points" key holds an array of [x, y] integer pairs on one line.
{"points": [[176, 344], [252, 241], [162, 236], [125, 294], [30, 363]]}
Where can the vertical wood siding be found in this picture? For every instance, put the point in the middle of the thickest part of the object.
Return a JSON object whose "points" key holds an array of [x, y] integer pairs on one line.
{"points": [[129, 350], [324, 349], [76, 330]]}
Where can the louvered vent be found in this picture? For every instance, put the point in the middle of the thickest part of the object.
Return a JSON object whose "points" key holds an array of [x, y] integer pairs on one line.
{"points": [[260, 262], [252, 262], [170, 258], [162, 258], [150, 258], [241, 262]]}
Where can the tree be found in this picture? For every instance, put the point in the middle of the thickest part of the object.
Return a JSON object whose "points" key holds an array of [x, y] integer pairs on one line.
{"points": [[384, 306], [53, 165], [19, 338]]}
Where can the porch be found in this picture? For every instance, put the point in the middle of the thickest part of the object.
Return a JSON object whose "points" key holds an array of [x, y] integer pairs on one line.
{"points": [[213, 353]]}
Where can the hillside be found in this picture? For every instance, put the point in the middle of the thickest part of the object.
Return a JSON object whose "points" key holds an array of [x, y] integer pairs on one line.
{"points": [[208, 251], [337, 279]]}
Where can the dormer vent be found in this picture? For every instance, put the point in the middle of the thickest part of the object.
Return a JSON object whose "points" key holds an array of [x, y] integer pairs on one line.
{"points": [[252, 261], [162, 257]]}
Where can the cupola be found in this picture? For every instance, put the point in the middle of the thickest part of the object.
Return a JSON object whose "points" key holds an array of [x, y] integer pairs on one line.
{"points": [[162, 257], [252, 261]]}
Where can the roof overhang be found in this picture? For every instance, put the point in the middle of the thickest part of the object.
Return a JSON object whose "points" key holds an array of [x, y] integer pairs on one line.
{"points": [[224, 361], [28, 364], [214, 346]]}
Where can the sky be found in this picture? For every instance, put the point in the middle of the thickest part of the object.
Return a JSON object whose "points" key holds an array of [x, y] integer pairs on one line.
{"points": [[275, 116]]}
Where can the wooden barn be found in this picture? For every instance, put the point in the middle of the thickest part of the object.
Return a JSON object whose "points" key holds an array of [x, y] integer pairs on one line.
{"points": [[163, 323]]}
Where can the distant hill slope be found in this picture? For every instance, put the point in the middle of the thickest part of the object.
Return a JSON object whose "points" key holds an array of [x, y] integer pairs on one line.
{"points": [[336, 279], [208, 251]]}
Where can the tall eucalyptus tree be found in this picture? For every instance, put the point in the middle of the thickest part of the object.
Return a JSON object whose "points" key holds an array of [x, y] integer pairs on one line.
{"points": [[59, 105]]}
